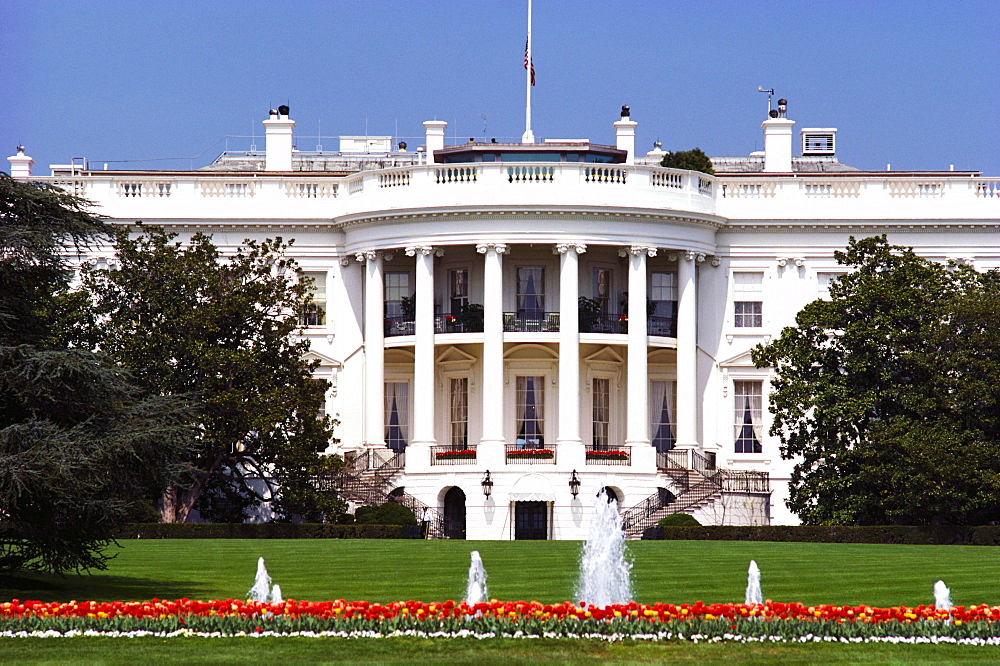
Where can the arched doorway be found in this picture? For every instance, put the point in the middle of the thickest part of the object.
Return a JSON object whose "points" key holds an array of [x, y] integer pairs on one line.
{"points": [[611, 495], [454, 513]]}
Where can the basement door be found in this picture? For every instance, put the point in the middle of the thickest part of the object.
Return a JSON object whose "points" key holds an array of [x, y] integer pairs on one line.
{"points": [[531, 521]]}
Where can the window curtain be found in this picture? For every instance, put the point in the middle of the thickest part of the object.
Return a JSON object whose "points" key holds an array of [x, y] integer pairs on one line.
{"points": [[396, 410], [661, 410]]}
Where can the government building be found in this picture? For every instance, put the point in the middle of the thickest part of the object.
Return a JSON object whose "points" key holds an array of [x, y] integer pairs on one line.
{"points": [[508, 328]]}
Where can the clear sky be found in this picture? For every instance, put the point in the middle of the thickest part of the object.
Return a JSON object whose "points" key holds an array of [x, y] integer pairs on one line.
{"points": [[914, 83]]}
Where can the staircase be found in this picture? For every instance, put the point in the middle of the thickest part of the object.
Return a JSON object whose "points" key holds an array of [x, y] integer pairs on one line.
{"points": [[368, 478], [694, 486]]}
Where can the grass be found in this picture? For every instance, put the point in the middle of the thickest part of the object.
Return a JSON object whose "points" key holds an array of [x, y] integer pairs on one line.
{"points": [[386, 570]]}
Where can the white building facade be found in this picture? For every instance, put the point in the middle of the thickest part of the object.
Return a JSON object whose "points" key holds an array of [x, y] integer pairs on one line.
{"points": [[509, 328]]}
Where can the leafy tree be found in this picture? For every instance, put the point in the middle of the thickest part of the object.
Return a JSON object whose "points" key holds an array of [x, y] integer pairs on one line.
{"points": [[220, 330], [888, 394], [81, 445], [692, 160]]}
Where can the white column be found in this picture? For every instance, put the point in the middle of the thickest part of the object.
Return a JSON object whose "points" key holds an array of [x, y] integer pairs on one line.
{"points": [[637, 419], [374, 348], [492, 341], [423, 348], [687, 350], [569, 342]]}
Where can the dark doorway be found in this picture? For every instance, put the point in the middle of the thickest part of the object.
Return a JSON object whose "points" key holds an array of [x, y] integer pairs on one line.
{"points": [[454, 513], [531, 521]]}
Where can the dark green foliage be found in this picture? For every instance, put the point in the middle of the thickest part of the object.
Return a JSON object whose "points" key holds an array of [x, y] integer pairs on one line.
{"points": [[258, 531], [221, 332], [692, 160], [389, 513], [889, 393], [82, 446], [679, 520]]}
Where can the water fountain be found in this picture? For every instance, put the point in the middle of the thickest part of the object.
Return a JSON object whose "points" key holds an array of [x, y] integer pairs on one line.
{"points": [[754, 594], [604, 564], [275, 597], [261, 585], [942, 596], [476, 591]]}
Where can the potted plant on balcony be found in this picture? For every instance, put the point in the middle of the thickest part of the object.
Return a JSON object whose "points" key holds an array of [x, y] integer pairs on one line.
{"points": [[589, 312], [459, 454], [531, 454], [470, 318], [607, 455]]}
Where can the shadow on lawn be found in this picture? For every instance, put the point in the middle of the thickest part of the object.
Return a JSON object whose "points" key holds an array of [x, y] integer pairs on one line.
{"points": [[49, 587]]}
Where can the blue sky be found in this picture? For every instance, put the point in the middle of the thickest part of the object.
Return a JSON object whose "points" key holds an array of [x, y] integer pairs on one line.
{"points": [[915, 83]]}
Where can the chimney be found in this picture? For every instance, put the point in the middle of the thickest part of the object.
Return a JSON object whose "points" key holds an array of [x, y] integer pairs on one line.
{"points": [[20, 164], [435, 137], [278, 140], [778, 140], [625, 135]]}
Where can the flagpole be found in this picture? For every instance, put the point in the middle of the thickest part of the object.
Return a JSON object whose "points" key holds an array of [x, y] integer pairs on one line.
{"points": [[528, 136]]}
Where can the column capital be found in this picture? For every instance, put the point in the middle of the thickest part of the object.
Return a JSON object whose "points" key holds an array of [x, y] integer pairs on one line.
{"points": [[367, 255], [425, 250], [563, 248], [345, 261], [499, 248], [636, 250]]}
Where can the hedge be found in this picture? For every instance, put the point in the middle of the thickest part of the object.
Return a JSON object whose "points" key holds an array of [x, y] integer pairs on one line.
{"points": [[259, 531], [981, 535]]}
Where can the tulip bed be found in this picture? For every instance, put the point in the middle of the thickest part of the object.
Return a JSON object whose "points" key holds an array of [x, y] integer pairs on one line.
{"points": [[770, 622]]}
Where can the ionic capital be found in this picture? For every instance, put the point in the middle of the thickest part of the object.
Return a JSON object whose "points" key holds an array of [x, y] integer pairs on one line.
{"points": [[425, 250], [636, 250], [563, 248], [499, 248], [370, 255]]}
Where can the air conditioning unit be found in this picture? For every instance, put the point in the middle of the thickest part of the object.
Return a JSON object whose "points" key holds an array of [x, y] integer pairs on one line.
{"points": [[819, 140]]}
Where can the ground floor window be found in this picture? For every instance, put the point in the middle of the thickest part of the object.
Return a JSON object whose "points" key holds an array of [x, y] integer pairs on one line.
{"points": [[748, 415], [530, 407], [602, 412], [662, 408], [459, 412], [397, 418]]}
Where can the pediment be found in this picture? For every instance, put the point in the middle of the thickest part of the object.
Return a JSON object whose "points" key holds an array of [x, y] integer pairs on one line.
{"points": [[455, 355], [529, 351], [605, 355], [742, 360], [324, 360]]}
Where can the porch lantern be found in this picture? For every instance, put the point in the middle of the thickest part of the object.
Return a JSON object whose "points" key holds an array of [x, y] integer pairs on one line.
{"points": [[487, 484], [574, 485]]}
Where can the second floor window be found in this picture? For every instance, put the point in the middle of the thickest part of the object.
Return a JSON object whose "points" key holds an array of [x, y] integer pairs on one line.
{"points": [[748, 417], [602, 412], [602, 289], [397, 415], [531, 291], [314, 312], [397, 291], [459, 412], [662, 407], [530, 405], [458, 289], [747, 304]]}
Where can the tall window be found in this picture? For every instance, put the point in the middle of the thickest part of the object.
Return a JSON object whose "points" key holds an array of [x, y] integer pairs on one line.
{"points": [[531, 291], [747, 293], [397, 288], [663, 298], [530, 405], [397, 415], [314, 312], [459, 412], [458, 289], [662, 412], [602, 412], [748, 416], [602, 288], [321, 412]]}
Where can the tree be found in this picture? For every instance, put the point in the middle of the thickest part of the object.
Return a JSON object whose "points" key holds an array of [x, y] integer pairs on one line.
{"points": [[692, 160], [81, 445], [888, 394], [220, 330]]}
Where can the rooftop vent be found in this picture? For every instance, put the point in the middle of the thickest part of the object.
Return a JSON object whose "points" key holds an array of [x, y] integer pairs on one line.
{"points": [[819, 140]]}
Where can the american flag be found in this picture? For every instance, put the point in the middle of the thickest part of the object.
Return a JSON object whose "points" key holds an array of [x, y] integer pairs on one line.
{"points": [[528, 63]]}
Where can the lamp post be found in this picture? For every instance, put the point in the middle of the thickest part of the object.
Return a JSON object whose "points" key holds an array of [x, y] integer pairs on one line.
{"points": [[487, 484], [574, 485]]}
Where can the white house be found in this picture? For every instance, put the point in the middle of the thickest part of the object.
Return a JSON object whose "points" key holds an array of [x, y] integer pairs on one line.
{"points": [[467, 372]]}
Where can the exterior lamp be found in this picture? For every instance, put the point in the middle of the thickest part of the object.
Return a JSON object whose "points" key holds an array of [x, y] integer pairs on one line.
{"points": [[574, 485], [487, 484]]}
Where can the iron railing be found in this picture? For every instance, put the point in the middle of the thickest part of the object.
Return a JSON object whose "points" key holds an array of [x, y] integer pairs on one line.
{"points": [[459, 322], [746, 482], [451, 455], [401, 325], [608, 455], [603, 322], [674, 463], [522, 454], [531, 322]]}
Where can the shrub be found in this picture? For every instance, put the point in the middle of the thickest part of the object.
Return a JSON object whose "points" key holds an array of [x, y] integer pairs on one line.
{"points": [[679, 520], [390, 513]]}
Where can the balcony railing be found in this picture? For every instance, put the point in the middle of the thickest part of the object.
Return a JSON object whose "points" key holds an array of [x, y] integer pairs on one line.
{"points": [[603, 322], [450, 455], [746, 482], [461, 322], [531, 322], [608, 455], [522, 454], [402, 325]]}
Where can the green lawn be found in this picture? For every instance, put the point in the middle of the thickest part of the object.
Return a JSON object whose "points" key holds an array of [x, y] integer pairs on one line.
{"points": [[670, 571], [385, 570]]}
